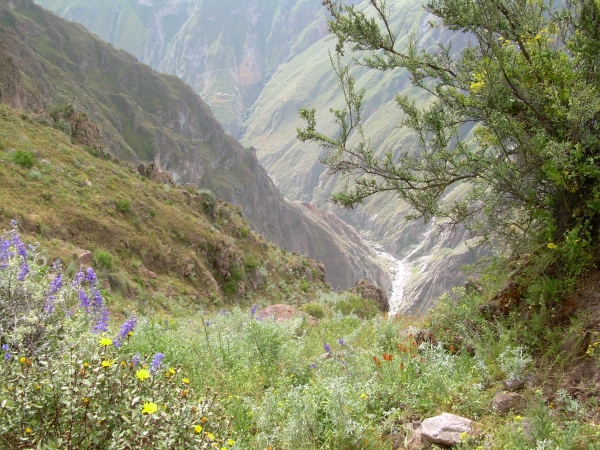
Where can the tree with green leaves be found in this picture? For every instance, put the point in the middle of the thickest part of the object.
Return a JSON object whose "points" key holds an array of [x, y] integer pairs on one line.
{"points": [[527, 86]]}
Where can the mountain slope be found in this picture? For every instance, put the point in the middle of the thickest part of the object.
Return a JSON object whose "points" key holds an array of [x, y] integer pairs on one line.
{"points": [[225, 50], [148, 116]]}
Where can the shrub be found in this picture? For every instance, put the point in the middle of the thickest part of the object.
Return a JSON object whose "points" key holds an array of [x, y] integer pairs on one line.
{"points": [[244, 232], [362, 307], [24, 158], [208, 201], [104, 259], [305, 286], [251, 263], [313, 309], [123, 205], [64, 387], [64, 126]]}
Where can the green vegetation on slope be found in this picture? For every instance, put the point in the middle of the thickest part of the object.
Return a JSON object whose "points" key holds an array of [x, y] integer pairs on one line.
{"points": [[156, 247], [242, 381]]}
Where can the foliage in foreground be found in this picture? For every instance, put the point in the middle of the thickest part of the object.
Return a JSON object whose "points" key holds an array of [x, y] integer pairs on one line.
{"points": [[231, 380], [65, 384], [513, 115]]}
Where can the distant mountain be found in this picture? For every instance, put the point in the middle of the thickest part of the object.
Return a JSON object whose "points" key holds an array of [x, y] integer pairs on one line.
{"points": [[149, 116], [302, 76], [226, 50]]}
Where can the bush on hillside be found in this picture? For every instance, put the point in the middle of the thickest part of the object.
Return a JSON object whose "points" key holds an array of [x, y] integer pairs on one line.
{"points": [[67, 382]]}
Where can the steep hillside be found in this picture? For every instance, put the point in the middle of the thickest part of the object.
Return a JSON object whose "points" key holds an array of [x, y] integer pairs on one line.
{"points": [[225, 50], [309, 81], [148, 116], [160, 248]]}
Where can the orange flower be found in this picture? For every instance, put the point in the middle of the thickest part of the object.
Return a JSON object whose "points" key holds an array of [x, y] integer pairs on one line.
{"points": [[452, 348], [388, 357], [376, 360]]}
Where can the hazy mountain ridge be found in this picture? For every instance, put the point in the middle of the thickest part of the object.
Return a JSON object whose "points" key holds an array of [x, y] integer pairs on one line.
{"points": [[149, 116], [225, 50]]}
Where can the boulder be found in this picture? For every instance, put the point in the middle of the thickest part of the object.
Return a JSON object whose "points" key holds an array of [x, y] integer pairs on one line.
{"points": [[369, 291], [507, 402], [445, 429], [281, 313], [513, 384], [148, 273], [152, 171], [84, 257]]}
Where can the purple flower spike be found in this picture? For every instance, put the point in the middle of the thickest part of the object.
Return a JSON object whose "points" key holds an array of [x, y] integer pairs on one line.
{"points": [[136, 360], [327, 347], [127, 327], [55, 285], [341, 342], [23, 271], [102, 323], [90, 276], [156, 362], [49, 306], [78, 279], [313, 366], [84, 301], [253, 310]]}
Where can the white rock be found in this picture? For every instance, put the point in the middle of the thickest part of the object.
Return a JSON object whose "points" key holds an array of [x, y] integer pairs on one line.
{"points": [[445, 429]]}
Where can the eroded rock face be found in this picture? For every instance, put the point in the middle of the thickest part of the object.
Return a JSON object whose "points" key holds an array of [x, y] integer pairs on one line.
{"points": [[152, 171], [445, 429], [368, 290]]}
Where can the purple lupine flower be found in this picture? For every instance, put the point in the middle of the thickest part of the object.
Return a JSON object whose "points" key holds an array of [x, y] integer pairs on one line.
{"points": [[327, 347], [49, 305], [84, 301], [156, 361], [21, 249], [13, 223], [207, 323], [23, 271], [90, 276], [101, 325], [57, 265], [341, 342], [136, 360], [313, 366], [253, 310], [55, 285], [96, 299], [78, 278], [5, 347], [127, 327]]}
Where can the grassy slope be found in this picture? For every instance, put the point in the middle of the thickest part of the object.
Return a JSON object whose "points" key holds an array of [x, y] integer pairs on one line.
{"points": [[72, 200]]}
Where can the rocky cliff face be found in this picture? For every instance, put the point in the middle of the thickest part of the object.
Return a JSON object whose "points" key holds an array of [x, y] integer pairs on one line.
{"points": [[149, 116], [225, 50]]}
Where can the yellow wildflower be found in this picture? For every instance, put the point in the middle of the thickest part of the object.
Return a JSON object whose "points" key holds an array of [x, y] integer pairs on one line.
{"points": [[186, 381], [142, 374], [107, 362], [551, 245], [149, 408], [363, 395], [105, 342], [230, 442], [27, 430], [197, 428], [518, 418], [22, 360], [210, 436]]}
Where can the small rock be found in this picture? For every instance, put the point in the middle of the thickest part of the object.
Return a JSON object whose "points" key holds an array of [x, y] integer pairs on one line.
{"points": [[88, 183], [510, 401], [513, 384], [414, 440], [148, 273], [445, 429], [84, 257]]}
